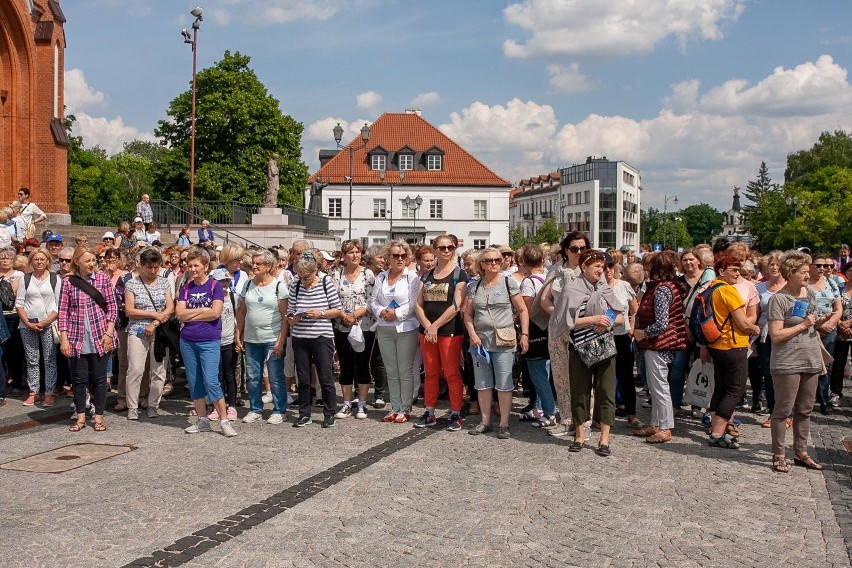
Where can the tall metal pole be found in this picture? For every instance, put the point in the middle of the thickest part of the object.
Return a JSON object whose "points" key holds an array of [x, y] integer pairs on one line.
{"points": [[192, 128], [351, 158]]}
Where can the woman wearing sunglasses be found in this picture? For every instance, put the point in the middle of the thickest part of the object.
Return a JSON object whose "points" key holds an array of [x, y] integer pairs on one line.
{"points": [[589, 309], [558, 277], [392, 303], [829, 311], [490, 325], [442, 332]]}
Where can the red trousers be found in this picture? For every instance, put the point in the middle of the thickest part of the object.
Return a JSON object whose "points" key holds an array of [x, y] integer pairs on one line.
{"points": [[442, 358]]}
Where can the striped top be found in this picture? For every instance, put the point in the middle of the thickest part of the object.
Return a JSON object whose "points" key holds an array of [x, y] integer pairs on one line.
{"points": [[321, 296], [581, 335]]}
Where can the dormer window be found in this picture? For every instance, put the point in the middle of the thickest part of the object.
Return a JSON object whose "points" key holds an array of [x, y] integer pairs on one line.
{"points": [[378, 162], [434, 162], [406, 162]]}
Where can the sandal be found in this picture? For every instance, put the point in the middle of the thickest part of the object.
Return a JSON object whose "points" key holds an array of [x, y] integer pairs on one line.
{"points": [[168, 389], [575, 446], [604, 451], [766, 423], [807, 462], [100, 426], [779, 464], [660, 437], [732, 430], [77, 426], [529, 416], [544, 422]]}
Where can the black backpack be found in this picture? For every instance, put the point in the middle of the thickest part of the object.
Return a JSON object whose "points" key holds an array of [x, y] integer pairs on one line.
{"points": [[7, 296]]}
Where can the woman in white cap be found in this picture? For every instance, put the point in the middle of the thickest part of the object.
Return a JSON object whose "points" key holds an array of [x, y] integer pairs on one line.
{"points": [[139, 236], [108, 239]]}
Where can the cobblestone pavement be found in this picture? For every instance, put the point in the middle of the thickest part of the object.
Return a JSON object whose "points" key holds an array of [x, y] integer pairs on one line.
{"points": [[371, 494]]}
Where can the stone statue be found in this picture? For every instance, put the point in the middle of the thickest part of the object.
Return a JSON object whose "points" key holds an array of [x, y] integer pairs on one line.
{"points": [[315, 205], [272, 182]]}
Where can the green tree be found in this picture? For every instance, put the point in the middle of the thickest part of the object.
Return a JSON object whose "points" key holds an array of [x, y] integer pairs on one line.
{"points": [[758, 188], [517, 237], [143, 148], [239, 125], [137, 172], [832, 149], [703, 222], [93, 182], [547, 232], [672, 233], [650, 219]]}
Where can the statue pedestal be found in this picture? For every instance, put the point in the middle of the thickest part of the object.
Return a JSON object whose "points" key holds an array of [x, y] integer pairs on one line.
{"points": [[269, 216]]}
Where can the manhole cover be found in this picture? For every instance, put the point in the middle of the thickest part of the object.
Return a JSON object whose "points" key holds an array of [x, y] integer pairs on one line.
{"points": [[66, 458]]}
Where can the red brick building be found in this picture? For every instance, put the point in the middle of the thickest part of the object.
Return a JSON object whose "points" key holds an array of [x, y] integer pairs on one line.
{"points": [[33, 143]]}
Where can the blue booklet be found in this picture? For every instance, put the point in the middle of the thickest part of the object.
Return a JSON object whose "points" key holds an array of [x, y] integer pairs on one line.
{"points": [[393, 305], [480, 353]]}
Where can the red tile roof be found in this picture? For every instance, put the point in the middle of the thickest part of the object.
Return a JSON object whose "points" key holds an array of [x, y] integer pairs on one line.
{"points": [[394, 131]]}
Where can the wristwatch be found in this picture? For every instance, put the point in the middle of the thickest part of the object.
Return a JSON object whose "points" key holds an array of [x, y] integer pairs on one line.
{"points": [[322, 313]]}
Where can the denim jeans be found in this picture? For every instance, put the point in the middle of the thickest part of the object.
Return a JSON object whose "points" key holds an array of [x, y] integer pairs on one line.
{"points": [[201, 361], [256, 355], [497, 374], [540, 376], [822, 388], [677, 376]]}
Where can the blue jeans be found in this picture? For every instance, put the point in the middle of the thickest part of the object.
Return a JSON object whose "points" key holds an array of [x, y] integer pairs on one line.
{"points": [[497, 374], [201, 361], [764, 351], [540, 376], [822, 388], [256, 356], [677, 376]]}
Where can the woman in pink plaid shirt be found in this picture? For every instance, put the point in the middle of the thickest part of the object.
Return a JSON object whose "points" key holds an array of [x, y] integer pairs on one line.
{"points": [[87, 314]]}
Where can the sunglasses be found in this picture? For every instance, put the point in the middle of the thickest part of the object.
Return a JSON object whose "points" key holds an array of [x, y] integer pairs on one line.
{"points": [[493, 260], [398, 256], [820, 265], [575, 249], [446, 248], [505, 254], [108, 239], [62, 260]]}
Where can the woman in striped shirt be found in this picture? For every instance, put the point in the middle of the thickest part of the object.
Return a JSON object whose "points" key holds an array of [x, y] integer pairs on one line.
{"points": [[313, 303]]}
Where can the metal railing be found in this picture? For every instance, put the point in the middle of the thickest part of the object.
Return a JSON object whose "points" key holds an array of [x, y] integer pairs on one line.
{"points": [[101, 217], [169, 210]]}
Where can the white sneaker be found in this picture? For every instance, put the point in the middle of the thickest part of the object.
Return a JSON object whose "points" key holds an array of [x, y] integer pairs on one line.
{"points": [[361, 413], [227, 428], [275, 418], [345, 411], [267, 398], [251, 417], [201, 425]]}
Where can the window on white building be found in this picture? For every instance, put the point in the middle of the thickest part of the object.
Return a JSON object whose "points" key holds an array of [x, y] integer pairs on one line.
{"points": [[335, 207], [433, 162], [480, 209], [406, 162], [436, 208], [628, 178], [587, 197], [378, 162], [379, 241], [479, 244], [379, 207]]}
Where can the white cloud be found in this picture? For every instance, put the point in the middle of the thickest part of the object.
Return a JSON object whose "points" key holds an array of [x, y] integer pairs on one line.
{"points": [[109, 134], [268, 12], [598, 29], [568, 79], [426, 99], [78, 94], [221, 17], [369, 100], [519, 124], [696, 147]]}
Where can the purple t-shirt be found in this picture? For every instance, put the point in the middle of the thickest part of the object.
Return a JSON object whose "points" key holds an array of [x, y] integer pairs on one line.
{"points": [[202, 296]]}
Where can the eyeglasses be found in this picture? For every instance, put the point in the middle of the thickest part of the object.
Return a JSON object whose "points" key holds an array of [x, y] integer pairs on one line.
{"points": [[398, 256], [505, 254], [575, 249], [21, 194], [492, 260], [446, 248], [101, 258]]}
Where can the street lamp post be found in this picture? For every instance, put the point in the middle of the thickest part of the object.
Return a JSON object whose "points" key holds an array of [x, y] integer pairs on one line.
{"points": [[390, 208], [338, 136], [413, 203], [193, 41], [665, 217], [674, 231], [793, 202]]}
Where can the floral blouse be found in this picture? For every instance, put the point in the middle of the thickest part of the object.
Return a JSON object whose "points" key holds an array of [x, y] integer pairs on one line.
{"points": [[355, 295]]}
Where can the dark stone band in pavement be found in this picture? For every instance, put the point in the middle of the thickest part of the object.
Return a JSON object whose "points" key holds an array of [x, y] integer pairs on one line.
{"points": [[827, 434], [190, 547]]}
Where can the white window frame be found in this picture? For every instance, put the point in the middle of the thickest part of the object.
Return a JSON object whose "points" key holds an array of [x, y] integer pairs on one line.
{"points": [[406, 162], [408, 211], [380, 207], [380, 240], [479, 244], [434, 162], [335, 207], [378, 162], [480, 209], [436, 208]]}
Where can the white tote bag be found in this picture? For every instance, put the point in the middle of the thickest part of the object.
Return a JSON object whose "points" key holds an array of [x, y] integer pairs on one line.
{"points": [[699, 384], [356, 337]]}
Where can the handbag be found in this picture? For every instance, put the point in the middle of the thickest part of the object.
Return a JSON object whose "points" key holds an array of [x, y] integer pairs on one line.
{"points": [[165, 331], [503, 336], [699, 384], [598, 350], [54, 332]]}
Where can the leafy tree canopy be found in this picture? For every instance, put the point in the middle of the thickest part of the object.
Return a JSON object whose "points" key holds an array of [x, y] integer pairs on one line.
{"points": [[832, 149], [702, 222], [239, 125]]}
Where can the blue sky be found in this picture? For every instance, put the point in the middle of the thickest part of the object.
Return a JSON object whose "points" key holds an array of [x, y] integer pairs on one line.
{"points": [[694, 94]]}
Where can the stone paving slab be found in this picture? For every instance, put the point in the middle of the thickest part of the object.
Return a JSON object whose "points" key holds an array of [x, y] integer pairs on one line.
{"points": [[447, 499]]}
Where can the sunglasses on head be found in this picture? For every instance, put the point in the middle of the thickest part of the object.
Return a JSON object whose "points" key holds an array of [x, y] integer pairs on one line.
{"points": [[575, 249], [446, 248]]}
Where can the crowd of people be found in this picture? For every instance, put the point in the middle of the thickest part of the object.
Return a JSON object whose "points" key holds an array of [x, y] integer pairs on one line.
{"points": [[577, 329]]}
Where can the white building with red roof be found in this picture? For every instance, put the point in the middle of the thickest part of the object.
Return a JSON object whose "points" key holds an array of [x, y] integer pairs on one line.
{"points": [[410, 181]]}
